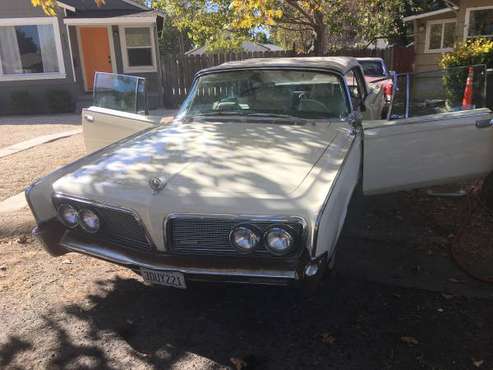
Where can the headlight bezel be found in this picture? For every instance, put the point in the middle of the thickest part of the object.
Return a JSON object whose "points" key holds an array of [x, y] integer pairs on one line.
{"points": [[63, 220], [84, 226], [252, 228], [290, 231]]}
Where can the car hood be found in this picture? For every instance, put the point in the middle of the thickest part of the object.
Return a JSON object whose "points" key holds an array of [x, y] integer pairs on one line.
{"points": [[206, 159]]}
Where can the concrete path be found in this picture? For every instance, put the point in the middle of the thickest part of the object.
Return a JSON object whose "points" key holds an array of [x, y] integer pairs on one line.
{"points": [[36, 141], [42, 119], [14, 203]]}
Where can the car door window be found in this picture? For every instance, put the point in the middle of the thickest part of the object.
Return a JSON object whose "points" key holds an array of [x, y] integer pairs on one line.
{"points": [[120, 92], [356, 87]]}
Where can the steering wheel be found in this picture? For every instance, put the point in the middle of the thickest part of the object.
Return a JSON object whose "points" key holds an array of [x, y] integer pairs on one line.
{"points": [[312, 105], [227, 104]]}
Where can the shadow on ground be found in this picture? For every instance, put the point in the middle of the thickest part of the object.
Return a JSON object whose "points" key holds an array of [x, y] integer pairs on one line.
{"points": [[357, 320], [163, 326]]}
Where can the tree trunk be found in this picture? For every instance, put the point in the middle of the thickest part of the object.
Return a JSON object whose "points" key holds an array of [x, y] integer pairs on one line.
{"points": [[321, 42]]}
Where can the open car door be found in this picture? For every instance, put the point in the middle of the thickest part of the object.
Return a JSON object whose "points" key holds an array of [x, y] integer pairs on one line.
{"points": [[427, 150], [119, 110]]}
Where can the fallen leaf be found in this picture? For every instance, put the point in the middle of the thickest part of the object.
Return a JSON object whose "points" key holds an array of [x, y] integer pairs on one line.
{"points": [[409, 340], [326, 338], [455, 281], [22, 239], [67, 262], [477, 363]]}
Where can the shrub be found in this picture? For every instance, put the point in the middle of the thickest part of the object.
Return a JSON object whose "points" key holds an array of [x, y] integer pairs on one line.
{"points": [[471, 52], [474, 51], [60, 101], [22, 102]]}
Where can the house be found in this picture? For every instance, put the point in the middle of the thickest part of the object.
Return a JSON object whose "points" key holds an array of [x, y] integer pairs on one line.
{"points": [[436, 32], [246, 46], [53, 58]]}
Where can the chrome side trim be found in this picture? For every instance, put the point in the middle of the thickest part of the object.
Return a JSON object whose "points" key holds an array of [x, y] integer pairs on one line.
{"points": [[231, 217], [129, 211], [115, 256], [327, 198]]}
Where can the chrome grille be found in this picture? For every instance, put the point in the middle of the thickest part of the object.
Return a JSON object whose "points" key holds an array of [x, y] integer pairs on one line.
{"points": [[210, 236], [117, 226]]}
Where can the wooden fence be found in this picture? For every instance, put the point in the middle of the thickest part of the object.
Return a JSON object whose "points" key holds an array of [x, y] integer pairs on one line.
{"points": [[178, 70]]}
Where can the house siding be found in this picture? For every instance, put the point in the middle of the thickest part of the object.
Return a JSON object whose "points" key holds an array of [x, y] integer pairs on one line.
{"points": [[153, 79], [36, 88], [429, 61]]}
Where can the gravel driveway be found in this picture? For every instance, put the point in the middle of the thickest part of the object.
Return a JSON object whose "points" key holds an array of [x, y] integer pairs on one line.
{"points": [[14, 129], [21, 169]]}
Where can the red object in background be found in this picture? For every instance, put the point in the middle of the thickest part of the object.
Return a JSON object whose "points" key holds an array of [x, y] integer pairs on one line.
{"points": [[387, 90], [467, 99]]}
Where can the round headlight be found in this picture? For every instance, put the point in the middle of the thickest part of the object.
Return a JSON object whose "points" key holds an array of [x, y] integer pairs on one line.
{"points": [[68, 215], [89, 221], [279, 240], [244, 238]]}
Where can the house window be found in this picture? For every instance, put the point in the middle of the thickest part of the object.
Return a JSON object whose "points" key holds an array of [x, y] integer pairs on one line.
{"points": [[479, 22], [138, 49], [30, 49], [440, 36]]}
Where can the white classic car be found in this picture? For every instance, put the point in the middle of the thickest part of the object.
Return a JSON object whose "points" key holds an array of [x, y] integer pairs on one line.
{"points": [[251, 182]]}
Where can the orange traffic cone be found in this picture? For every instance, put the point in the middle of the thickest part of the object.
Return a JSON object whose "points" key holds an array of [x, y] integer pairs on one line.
{"points": [[467, 99]]}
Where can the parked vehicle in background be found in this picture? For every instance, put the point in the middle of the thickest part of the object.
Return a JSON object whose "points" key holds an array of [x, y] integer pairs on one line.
{"points": [[377, 73]]}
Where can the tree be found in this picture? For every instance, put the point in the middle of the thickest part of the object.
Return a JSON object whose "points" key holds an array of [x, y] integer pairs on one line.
{"points": [[172, 40], [206, 22], [49, 6], [337, 19], [303, 25]]}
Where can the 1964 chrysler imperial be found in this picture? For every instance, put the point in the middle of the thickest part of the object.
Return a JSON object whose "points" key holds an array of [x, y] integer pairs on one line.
{"points": [[251, 182]]}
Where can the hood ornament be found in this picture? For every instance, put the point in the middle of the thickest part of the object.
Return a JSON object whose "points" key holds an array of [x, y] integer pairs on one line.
{"points": [[157, 184]]}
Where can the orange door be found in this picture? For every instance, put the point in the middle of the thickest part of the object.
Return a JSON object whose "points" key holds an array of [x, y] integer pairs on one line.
{"points": [[96, 52]]}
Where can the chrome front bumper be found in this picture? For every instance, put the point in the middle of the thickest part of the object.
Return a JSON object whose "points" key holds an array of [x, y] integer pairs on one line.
{"points": [[58, 241]]}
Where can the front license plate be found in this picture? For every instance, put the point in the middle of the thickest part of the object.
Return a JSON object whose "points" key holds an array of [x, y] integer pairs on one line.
{"points": [[168, 278]]}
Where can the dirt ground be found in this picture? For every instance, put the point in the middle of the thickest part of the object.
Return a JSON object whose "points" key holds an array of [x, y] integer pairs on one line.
{"points": [[395, 301], [13, 134], [78, 312], [21, 169]]}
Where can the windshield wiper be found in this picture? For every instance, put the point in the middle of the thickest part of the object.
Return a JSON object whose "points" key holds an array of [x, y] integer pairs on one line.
{"points": [[275, 115], [283, 116], [218, 113]]}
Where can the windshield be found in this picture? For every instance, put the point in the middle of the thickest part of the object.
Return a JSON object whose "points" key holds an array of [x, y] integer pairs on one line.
{"points": [[373, 68], [304, 94]]}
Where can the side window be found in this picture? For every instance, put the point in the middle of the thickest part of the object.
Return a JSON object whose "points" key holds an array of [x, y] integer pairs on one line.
{"points": [[356, 87], [120, 92]]}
